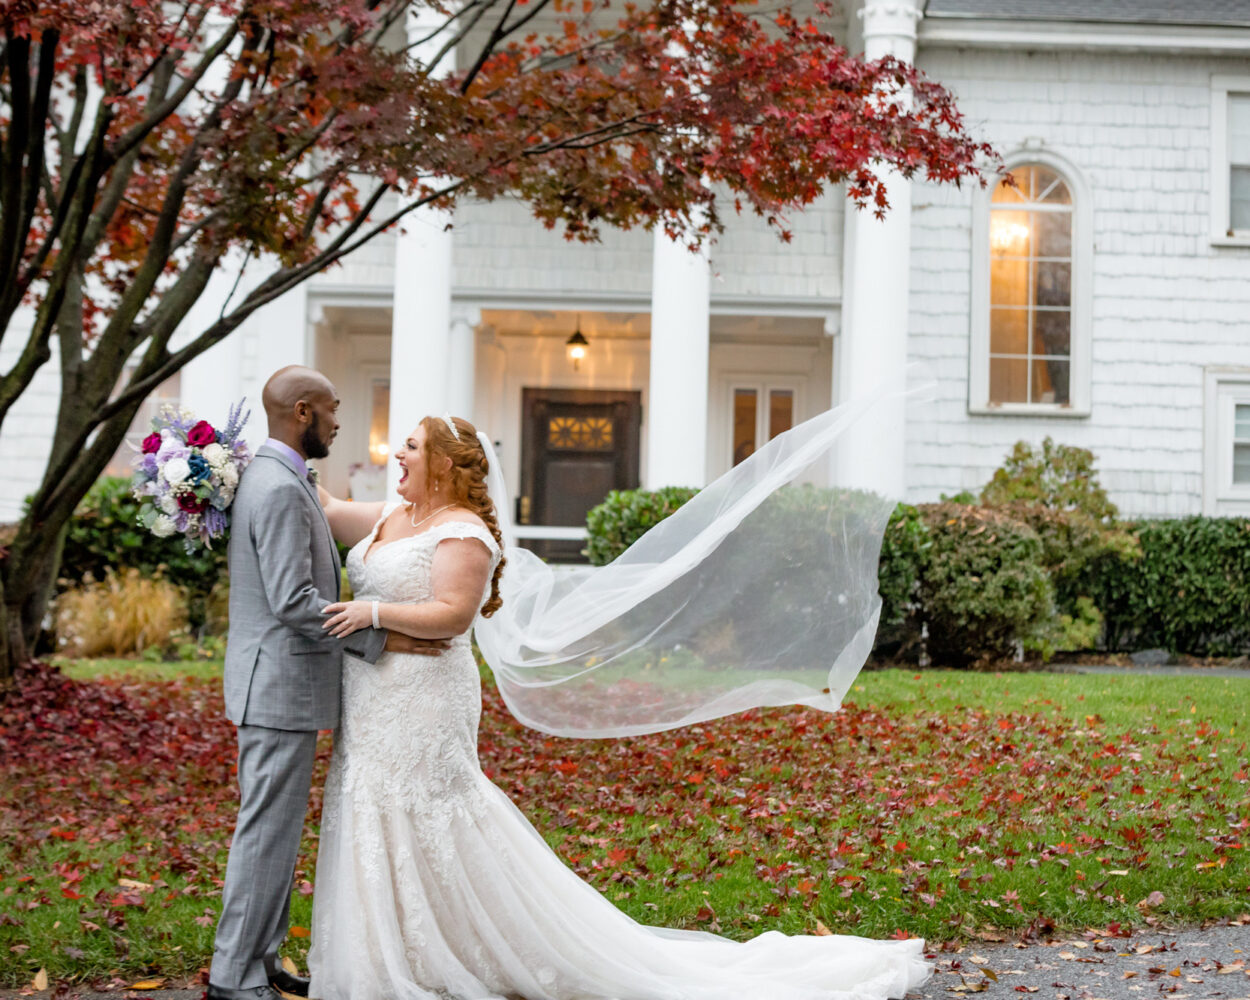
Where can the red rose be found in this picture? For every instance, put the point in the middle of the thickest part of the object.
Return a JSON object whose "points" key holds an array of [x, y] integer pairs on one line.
{"points": [[191, 503], [201, 434], [151, 444]]}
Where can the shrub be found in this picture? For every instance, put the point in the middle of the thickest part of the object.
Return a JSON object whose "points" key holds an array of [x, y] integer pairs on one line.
{"points": [[904, 549], [104, 534], [120, 615], [982, 586], [1055, 490], [1188, 592], [625, 516]]}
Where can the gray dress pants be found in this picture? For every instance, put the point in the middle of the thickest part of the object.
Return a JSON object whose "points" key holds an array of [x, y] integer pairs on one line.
{"points": [[275, 779]]}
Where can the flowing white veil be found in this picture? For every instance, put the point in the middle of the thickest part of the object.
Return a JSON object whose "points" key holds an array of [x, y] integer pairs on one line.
{"points": [[762, 590]]}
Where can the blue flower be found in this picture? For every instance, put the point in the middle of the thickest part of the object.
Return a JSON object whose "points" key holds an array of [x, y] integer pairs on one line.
{"points": [[200, 469]]}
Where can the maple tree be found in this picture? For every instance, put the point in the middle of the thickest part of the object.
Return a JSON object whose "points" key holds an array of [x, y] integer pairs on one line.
{"points": [[146, 145]]}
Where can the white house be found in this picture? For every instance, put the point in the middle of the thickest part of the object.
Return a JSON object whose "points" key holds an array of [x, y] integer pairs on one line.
{"points": [[1104, 302]]}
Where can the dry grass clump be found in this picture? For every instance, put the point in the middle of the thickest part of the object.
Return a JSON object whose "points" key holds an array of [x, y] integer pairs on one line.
{"points": [[121, 615]]}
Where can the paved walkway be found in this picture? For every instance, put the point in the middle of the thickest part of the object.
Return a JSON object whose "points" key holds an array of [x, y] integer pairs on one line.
{"points": [[1186, 965], [1178, 965], [1167, 670]]}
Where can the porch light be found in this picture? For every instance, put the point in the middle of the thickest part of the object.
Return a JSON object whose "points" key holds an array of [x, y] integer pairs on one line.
{"points": [[577, 345]]}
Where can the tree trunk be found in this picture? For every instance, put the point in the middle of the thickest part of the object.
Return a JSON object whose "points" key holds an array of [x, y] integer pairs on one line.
{"points": [[27, 584]]}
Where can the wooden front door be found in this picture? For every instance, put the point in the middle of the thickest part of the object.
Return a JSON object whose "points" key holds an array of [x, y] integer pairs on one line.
{"points": [[577, 445]]}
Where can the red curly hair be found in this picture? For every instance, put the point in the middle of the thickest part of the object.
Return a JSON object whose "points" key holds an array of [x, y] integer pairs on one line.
{"points": [[465, 483]]}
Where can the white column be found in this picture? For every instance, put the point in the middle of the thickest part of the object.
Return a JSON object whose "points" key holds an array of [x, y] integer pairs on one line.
{"points": [[676, 414], [875, 288], [421, 303], [420, 325], [462, 364]]}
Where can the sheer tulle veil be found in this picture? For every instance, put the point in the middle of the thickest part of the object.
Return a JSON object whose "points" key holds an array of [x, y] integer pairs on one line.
{"points": [[762, 590]]}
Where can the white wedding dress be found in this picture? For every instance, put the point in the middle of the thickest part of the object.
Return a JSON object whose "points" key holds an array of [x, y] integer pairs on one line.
{"points": [[432, 884]]}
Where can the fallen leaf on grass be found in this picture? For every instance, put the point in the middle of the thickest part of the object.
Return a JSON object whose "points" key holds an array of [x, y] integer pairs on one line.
{"points": [[129, 883], [148, 984], [822, 930], [300, 932], [289, 966], [40, 982]]}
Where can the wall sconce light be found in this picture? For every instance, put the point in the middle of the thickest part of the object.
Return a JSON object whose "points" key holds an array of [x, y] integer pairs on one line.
{"points": [[577, 345]]}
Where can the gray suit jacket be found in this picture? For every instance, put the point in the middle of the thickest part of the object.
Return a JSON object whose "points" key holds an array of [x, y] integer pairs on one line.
{"points": [[283, 670]]}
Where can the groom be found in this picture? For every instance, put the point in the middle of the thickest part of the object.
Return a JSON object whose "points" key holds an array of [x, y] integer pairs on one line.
{"points": [[282, 676]]}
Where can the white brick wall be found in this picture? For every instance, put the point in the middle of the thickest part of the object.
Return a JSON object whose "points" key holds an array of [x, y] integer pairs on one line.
{"points": [[751, 259], [500, 246], [1165, 302], [28, 427]]}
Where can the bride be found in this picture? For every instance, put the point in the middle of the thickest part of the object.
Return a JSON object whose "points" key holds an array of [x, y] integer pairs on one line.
{"points": [[430, 882]]}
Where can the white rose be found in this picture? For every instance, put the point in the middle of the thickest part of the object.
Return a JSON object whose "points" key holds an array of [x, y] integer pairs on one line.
{"points": [[229, 476], [176, 470], [168, 504], [163, 526], [214, 454]]}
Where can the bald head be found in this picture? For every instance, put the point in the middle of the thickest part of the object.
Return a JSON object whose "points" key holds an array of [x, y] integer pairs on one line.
{"points": [[300, 404]]}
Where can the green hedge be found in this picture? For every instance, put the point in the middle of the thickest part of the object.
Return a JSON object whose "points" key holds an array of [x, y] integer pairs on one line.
{"points": [[104, 532], [982, 585], [1188, 591], [627, 515]]}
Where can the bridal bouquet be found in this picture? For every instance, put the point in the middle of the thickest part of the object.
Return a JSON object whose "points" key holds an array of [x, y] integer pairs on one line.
{"points": [[186, 474]]}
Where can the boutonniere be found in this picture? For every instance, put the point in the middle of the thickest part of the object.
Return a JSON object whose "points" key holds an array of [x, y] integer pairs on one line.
{"points": [[314, 475]]}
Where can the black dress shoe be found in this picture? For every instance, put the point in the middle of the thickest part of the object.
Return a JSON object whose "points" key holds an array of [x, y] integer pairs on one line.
{"points": [[284, 982], [251, 993]]}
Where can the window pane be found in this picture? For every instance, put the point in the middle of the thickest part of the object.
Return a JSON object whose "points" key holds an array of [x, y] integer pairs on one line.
{"points": [[1009, 233], [1052, 333], [379, 421], [1009, 331], [1053, 284], [1050, 381], [1009, 281], [1009, 380], [744, 424], [1239, 129], [1241, 464], [1004, 193], [1239, 200], [1241, 422], [1056, 194], [1049, 187], [780, 412], [1053, 234]]}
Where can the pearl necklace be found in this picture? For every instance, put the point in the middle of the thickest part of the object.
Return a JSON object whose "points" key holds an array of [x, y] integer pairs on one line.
{"points": [[413, 509]]}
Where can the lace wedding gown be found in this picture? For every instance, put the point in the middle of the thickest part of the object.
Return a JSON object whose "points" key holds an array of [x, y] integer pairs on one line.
{"points": [[432, 884]]}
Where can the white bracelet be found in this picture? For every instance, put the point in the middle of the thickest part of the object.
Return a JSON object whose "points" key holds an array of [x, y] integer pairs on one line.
{"points": [[375, 615]]}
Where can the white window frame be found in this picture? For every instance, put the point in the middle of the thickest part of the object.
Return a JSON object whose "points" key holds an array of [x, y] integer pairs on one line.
{"points": [[1078, 404], [1225, 389], [761, 388], [1221, 87]]}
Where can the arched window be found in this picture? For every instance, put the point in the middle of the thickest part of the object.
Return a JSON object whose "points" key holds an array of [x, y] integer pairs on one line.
{"points": [[1030, 313]]}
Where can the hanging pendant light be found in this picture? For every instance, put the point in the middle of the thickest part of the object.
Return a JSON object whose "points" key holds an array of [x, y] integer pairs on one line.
{"points": [[577, 345]]}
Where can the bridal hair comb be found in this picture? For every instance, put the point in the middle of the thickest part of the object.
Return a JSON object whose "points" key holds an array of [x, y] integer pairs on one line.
{"points": [[447, 420]]}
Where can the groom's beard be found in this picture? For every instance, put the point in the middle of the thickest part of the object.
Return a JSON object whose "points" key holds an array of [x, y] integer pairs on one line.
{"points": [[311, 441]]}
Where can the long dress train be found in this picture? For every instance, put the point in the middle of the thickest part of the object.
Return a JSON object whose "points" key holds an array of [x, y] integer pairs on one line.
{"points": [[431, 884]]}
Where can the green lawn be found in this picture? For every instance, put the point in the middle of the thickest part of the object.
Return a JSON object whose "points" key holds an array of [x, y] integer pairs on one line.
{"points": [[942, 804]]}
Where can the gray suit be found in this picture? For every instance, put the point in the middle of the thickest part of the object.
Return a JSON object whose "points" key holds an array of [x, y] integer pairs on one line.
{"points": [[282, 681]]}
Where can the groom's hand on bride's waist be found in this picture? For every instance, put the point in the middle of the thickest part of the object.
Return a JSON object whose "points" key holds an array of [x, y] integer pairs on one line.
{"points": [[397, 642]]}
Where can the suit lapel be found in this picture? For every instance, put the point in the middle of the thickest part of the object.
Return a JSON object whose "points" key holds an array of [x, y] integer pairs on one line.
{"points": [[311, 490]]}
